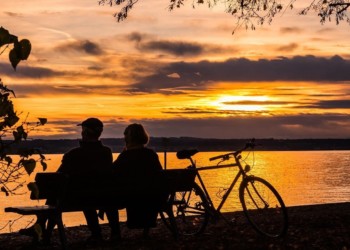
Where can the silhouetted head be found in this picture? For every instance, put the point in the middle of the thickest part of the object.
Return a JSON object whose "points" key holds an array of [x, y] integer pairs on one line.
{"points": [[135, 135], [91, 129]]}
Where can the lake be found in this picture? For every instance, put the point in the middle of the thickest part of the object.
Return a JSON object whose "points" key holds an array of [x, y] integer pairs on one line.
{"points": [[301, 178]]}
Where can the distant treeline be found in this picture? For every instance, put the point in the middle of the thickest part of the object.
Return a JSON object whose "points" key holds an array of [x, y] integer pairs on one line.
{"points": [[173, 144]]}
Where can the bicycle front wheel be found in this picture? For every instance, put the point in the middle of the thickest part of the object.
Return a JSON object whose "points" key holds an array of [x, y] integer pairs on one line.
{"points": [[190, 211], [263, 207]]}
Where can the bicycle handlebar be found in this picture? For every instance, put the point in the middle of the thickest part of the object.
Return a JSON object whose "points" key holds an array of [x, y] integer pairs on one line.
{"points": [[225, 157]]}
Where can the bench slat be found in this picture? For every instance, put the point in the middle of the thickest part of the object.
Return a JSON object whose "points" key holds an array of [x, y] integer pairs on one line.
{"points": [[31, 210]]}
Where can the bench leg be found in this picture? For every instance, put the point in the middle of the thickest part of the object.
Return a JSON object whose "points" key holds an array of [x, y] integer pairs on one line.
{"points": [[173, 226]]}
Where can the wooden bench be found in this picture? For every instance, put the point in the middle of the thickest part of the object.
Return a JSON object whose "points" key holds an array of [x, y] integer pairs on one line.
{"points": [[100, 192]]}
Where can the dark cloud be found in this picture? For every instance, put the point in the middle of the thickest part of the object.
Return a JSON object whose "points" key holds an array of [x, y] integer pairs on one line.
{"points": [[198, 75], [299, 126], [147, 43], [24, 90], [136, 36], [175, 48], [85, 46], [282, 127], [24, 71], [28, 72], [331, 104], [96, 68], [68, 129]]}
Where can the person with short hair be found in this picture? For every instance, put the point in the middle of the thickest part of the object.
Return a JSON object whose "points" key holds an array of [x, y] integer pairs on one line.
{"points": [[139, 166]]}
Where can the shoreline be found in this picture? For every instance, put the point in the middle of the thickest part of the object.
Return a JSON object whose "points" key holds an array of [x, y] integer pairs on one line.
{"points": [[174, 144], [320, 226]]}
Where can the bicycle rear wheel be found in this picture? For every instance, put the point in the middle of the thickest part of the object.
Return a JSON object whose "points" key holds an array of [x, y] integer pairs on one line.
{"points": [[190, 211], [263, 207]]}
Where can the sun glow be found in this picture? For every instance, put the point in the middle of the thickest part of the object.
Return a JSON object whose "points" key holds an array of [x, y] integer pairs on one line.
{"points": [[241, 103]]}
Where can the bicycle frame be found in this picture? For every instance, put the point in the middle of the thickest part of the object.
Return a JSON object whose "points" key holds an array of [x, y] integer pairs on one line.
{"points": [[241, 172]]}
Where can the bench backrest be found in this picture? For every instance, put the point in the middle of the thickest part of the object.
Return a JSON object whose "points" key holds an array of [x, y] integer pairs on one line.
{"points": [[105, 190], [49, 185]]}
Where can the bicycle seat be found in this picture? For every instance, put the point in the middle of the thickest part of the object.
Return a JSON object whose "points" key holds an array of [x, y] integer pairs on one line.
{"points": [[186, 153]]}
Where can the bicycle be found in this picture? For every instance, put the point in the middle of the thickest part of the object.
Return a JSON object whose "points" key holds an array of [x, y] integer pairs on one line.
{"points": [[261, 203]]}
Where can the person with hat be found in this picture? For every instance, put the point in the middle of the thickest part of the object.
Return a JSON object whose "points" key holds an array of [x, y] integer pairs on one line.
{"points": [[89, 159]]}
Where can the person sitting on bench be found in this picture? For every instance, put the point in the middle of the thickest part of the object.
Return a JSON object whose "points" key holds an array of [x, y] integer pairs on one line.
{"points": [[90, 158], [139, 166]]}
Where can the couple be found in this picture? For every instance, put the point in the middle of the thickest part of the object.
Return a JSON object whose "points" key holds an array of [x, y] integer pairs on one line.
{"points": [[92, 157]]}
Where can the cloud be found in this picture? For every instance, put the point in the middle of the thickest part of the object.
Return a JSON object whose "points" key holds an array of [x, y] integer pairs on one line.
{"points": [[13, 14], [199, 75], [288, 48], [288, 30], [84, 46], [331, 104], [256, 103], [175, 48], [147, 43], [279, 127], [32, 72], [28, 72], [27, 90], [298, 126]]}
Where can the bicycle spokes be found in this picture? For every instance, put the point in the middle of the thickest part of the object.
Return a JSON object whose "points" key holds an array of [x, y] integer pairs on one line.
{"points": [[256, 199], [263, 207], [189, 211]]}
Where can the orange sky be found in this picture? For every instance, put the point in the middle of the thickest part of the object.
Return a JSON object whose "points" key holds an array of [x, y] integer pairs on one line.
{"points": [[180, 73]]}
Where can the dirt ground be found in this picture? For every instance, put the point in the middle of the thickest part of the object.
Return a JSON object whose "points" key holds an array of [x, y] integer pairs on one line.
{"points": [[325, 226]]}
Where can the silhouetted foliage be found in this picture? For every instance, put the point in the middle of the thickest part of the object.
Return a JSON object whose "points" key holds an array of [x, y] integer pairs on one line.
{"points": [[21, 49], [251, 13], [11, 172]]}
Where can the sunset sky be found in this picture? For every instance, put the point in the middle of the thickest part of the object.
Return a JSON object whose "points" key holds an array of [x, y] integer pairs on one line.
{"points": [[180, 73]]}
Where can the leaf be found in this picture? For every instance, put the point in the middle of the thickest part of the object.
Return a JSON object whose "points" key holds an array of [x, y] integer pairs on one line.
{"points": [[44, 165], [11, 119], [42, 121], [32, 187], [5, 37], [14, 59], [24, 47], [21, 133], [29, 165], [16, 136], [20, 129], [8, 159], [42, 157], [3, 189]]}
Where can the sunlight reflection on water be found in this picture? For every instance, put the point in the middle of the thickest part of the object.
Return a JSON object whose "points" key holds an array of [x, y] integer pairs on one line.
{"points": [[301, 178]]}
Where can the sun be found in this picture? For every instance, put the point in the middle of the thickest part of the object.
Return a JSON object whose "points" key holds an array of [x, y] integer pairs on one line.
{"points": [[241, 103]]}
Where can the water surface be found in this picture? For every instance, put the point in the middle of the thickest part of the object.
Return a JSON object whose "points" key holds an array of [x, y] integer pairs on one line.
{"points": [[301, 177]]}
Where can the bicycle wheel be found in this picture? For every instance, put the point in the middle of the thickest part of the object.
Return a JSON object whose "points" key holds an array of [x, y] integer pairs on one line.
{"points": [[263, 207], [189, 211]]}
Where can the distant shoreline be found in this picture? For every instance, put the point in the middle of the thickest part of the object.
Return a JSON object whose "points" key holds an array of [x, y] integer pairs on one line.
{"points": [[174, 144]]}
